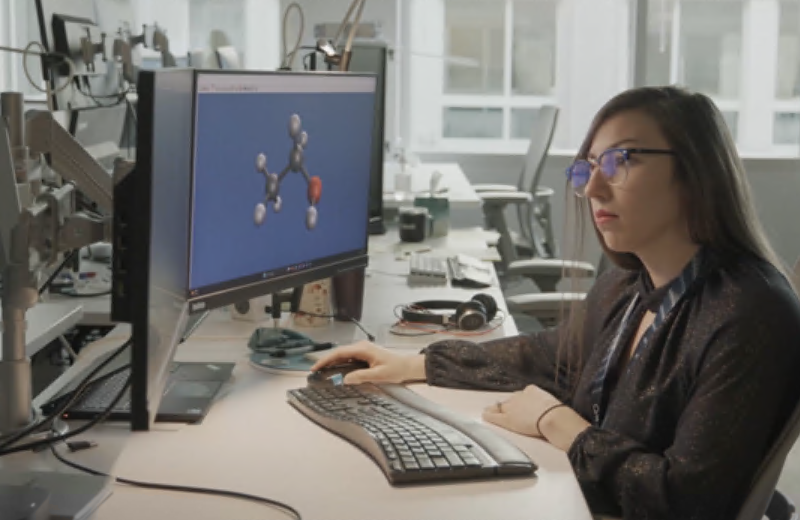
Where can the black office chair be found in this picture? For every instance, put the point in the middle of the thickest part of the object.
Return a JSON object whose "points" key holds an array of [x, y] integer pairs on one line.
{"points": [[764, 499]]}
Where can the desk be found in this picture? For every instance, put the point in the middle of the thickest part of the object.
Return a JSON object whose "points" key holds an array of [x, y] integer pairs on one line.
{"points": [[459, 189], [47, 321], [96, 310], [252, 441]]}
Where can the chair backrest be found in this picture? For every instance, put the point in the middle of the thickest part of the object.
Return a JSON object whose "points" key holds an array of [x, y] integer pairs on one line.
{"points": [[541, 136], [766, 478]]}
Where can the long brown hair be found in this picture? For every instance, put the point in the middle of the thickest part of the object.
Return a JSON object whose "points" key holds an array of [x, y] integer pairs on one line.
{"points": [[714, 188]]}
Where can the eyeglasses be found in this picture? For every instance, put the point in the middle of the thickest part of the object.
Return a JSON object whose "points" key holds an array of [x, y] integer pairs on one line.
{"points": [[613, 163]]}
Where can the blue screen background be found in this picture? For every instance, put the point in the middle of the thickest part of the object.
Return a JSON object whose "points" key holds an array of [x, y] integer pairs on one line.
{"points": [[231, 130]]}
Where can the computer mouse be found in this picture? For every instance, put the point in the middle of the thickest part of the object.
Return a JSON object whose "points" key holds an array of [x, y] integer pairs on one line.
{"points": [[333, 375]]}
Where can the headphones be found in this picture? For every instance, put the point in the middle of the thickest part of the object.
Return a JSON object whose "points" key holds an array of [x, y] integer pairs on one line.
{"points": [[469, 315]]}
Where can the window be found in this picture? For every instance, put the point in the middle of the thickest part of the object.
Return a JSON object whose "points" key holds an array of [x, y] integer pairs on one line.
{"points": [[533, 59], [710, 48], [698, 43], [499, 60], [476, 31], [787, 86], [744, 54], [492, 63], [22, 28], [786, 121], [473, 123], [497, 63]]}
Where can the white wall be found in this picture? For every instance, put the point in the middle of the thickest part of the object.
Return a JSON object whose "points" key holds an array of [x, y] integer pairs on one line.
{"points": [[758, 75], [426, 72]]}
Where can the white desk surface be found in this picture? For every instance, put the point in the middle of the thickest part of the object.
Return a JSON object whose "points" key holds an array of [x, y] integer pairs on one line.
{"points": [[253, 441], [96, 310], [47, 321], [458, 188]]}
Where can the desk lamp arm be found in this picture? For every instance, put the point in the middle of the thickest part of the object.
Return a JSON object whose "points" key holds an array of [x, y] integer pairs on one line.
{"points": [[328, 48]]}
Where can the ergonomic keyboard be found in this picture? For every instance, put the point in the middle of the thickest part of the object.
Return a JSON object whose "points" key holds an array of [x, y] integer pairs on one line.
{"points": [[411, 439]]}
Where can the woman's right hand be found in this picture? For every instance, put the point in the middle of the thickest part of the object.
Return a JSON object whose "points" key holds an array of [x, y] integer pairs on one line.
{"points": [[384, 366]]}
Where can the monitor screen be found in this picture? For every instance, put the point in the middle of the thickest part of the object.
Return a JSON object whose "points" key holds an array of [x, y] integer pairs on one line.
{"points": [[281, 181]]}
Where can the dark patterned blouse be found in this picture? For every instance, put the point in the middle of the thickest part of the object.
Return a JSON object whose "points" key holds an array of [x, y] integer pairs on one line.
{"points": [[689, 418]]}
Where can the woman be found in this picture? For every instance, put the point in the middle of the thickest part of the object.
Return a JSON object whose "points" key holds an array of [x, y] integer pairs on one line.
{"points": [[667, 388]]}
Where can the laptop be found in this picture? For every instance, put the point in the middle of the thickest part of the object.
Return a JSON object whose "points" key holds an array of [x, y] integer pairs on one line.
{"points": [[190, 390], [188, 394]]}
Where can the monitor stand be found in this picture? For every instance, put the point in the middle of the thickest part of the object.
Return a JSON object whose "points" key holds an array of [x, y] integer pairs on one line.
{"points": [[41, 495]]}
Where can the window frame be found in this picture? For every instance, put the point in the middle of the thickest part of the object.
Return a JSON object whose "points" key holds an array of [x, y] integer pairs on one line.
{"points": [[505, 101], [756, 105]]}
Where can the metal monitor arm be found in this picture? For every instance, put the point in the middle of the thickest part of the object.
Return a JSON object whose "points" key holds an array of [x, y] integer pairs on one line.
{"points": [[37, 222]]}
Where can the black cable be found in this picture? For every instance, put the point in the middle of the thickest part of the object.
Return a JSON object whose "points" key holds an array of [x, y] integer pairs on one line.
{"points": [[387, 273], [58, 270], [76, 394], [360, 326], [86, 295], [132, 110], [119, 97], [182, 489], [72, 433]]}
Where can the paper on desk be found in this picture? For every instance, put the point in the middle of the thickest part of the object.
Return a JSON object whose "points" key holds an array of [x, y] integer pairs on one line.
{"points": [[403, 249]]}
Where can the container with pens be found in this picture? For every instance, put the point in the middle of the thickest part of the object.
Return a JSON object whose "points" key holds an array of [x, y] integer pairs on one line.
{"points": [[283, 350]]}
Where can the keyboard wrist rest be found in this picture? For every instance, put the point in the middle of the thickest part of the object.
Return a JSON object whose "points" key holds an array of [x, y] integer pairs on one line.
{"points": [[510, 459]]}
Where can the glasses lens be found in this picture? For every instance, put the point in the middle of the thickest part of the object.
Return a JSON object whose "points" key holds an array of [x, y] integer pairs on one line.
{"points": [[578, 174], [614, 166]]}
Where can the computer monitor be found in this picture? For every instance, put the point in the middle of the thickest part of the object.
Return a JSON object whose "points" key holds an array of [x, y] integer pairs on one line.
{"points": [[246, 183], [281, 183], [151, 235], [99, 130], [371, 56]]}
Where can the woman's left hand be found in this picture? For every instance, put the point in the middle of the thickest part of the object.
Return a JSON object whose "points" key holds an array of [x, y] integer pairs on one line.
{"points": [[533, 408], [522, 411]]}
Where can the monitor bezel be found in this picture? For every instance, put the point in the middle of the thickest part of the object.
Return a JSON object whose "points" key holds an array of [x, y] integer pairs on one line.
{"points": [[246, 288]]}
